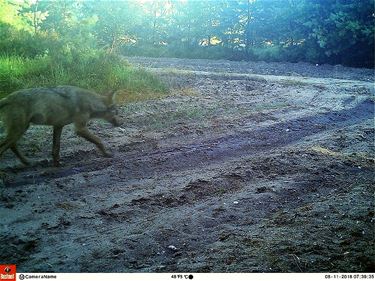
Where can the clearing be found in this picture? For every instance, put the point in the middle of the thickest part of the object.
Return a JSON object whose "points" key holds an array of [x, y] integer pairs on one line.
{"points": [[244, 167]]}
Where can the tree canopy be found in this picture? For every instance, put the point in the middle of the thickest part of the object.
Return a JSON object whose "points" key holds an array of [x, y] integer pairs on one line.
{"points": [[317, 31]]}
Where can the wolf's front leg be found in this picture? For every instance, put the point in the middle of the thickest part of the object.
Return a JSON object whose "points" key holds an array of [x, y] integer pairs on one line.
{"points": [[56, 145], [85, 133]]}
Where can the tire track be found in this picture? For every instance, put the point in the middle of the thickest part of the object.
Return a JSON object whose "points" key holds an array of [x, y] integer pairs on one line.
{"points": [[144, 160]]}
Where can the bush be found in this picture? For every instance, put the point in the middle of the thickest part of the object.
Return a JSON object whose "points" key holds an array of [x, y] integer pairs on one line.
{"points": [[93, 70], [44, 59], [265, 53], [22, 43], [197, 52]]}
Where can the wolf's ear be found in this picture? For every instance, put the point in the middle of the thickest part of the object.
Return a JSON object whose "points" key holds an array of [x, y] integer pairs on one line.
{"points": [[110, 98]]}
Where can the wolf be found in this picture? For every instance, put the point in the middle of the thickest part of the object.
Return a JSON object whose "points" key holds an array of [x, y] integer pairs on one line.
{"points": [[57, 107]]}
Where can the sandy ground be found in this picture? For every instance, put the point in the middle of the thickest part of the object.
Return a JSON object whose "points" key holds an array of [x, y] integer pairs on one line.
{"points": [[244, 167]]}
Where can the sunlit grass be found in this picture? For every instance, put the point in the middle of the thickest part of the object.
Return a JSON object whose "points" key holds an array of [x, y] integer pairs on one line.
{"points": [[358, 159], [96, 71]]}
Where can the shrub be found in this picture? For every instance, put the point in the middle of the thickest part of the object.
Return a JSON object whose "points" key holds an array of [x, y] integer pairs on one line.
{"points": [[94, 70]]}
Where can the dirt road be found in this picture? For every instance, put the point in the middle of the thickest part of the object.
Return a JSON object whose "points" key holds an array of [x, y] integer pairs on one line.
{"points": [[244, 167]]}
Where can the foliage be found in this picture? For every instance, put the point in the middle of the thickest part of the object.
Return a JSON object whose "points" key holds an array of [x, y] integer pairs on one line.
{"points": [[317, 31], [52, 43], [96, 70]]}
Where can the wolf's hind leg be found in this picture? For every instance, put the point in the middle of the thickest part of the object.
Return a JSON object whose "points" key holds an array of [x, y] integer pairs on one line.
{"points": [[19, 155], [14, 134]]}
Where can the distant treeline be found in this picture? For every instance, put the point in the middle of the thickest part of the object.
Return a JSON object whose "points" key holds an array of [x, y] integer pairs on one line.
{"points": [[316, 31]]}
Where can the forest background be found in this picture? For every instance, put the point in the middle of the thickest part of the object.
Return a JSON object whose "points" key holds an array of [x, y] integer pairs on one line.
{"points": [[74, 42]]}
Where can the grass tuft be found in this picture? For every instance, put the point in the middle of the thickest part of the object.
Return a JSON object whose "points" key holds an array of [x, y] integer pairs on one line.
{"points": [[93, 70]]}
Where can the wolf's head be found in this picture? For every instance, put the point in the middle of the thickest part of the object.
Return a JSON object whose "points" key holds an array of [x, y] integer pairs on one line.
{"points": [[111, 113]]}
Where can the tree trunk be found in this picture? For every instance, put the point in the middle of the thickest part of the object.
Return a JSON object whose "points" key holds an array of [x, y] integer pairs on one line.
{"points": [[247, 31], [35, 19], [113, 44]]}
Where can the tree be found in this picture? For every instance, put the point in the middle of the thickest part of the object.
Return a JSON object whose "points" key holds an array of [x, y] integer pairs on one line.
{"points": [[116, 22]]}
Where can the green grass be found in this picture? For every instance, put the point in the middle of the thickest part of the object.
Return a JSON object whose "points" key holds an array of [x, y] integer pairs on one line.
{"points": [[91, 70]]}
